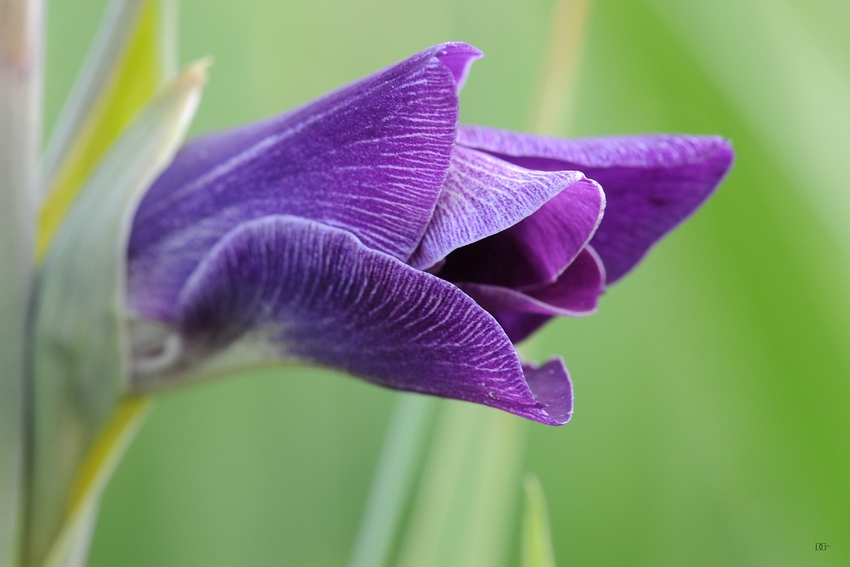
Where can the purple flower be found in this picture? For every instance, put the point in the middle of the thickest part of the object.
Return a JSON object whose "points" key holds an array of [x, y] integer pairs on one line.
{"points": [[368, 232]]}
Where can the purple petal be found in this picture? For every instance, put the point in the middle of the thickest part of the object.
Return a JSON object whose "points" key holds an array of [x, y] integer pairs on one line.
{"points": [[552, 385], [291, 288], [369, 158], [575, 293], [483, 195], [458, 57], [536, 250], [652, 183]]}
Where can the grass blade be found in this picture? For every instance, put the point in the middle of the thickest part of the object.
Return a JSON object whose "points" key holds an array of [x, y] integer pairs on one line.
{"points": [[465, 503], [396, 468], [536, 535]]}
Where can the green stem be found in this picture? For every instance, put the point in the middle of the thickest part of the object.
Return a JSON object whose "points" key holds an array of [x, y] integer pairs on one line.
{"points": [[392, 481], [20, 127]]}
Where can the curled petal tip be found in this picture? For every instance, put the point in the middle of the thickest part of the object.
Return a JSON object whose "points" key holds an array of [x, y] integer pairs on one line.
{"points": [[652, 182], [458, 57], [483, 196], [551, 385], [725, 153]]}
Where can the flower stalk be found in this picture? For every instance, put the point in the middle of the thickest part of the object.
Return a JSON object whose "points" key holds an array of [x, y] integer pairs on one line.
{"points": [[21, 29]]}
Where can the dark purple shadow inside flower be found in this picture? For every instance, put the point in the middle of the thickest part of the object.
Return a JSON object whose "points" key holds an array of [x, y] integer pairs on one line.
{"points": [[532, 253], [574, 294], [651, 183]]}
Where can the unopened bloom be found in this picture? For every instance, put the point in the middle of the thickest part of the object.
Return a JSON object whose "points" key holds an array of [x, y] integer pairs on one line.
{"points": [[368, 232]]}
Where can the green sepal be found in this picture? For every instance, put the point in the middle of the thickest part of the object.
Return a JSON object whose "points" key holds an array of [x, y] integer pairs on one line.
{"points": [[81, 353]]}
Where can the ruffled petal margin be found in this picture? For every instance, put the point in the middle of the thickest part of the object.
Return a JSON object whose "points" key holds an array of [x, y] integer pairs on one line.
{"points": [[552, 385], [483, 196], [287, 288], [535, 251], [459, 57], [652, 183]]}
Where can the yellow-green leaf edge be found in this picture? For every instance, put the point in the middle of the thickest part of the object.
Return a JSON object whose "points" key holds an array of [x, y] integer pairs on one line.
{"points": [[136, 74]]}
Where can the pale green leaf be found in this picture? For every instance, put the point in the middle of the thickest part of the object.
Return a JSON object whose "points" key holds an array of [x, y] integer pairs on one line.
{"points": [[536, 535], [81, 354]]}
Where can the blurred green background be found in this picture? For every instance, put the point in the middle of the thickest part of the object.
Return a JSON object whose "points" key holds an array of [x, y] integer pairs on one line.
{"points": [[712, 422]]}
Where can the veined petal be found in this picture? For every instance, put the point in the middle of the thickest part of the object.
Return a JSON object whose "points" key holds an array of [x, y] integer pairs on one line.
{"points": [[536, 250], [652, 183], [284, 287], [574, 294], [483, 195], [370, 159]]}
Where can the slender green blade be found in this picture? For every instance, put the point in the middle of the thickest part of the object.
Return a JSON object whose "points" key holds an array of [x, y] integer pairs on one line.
{"points": [[553, 105], [81, 365], [394, 476], [71, 546], [536, 535]]}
